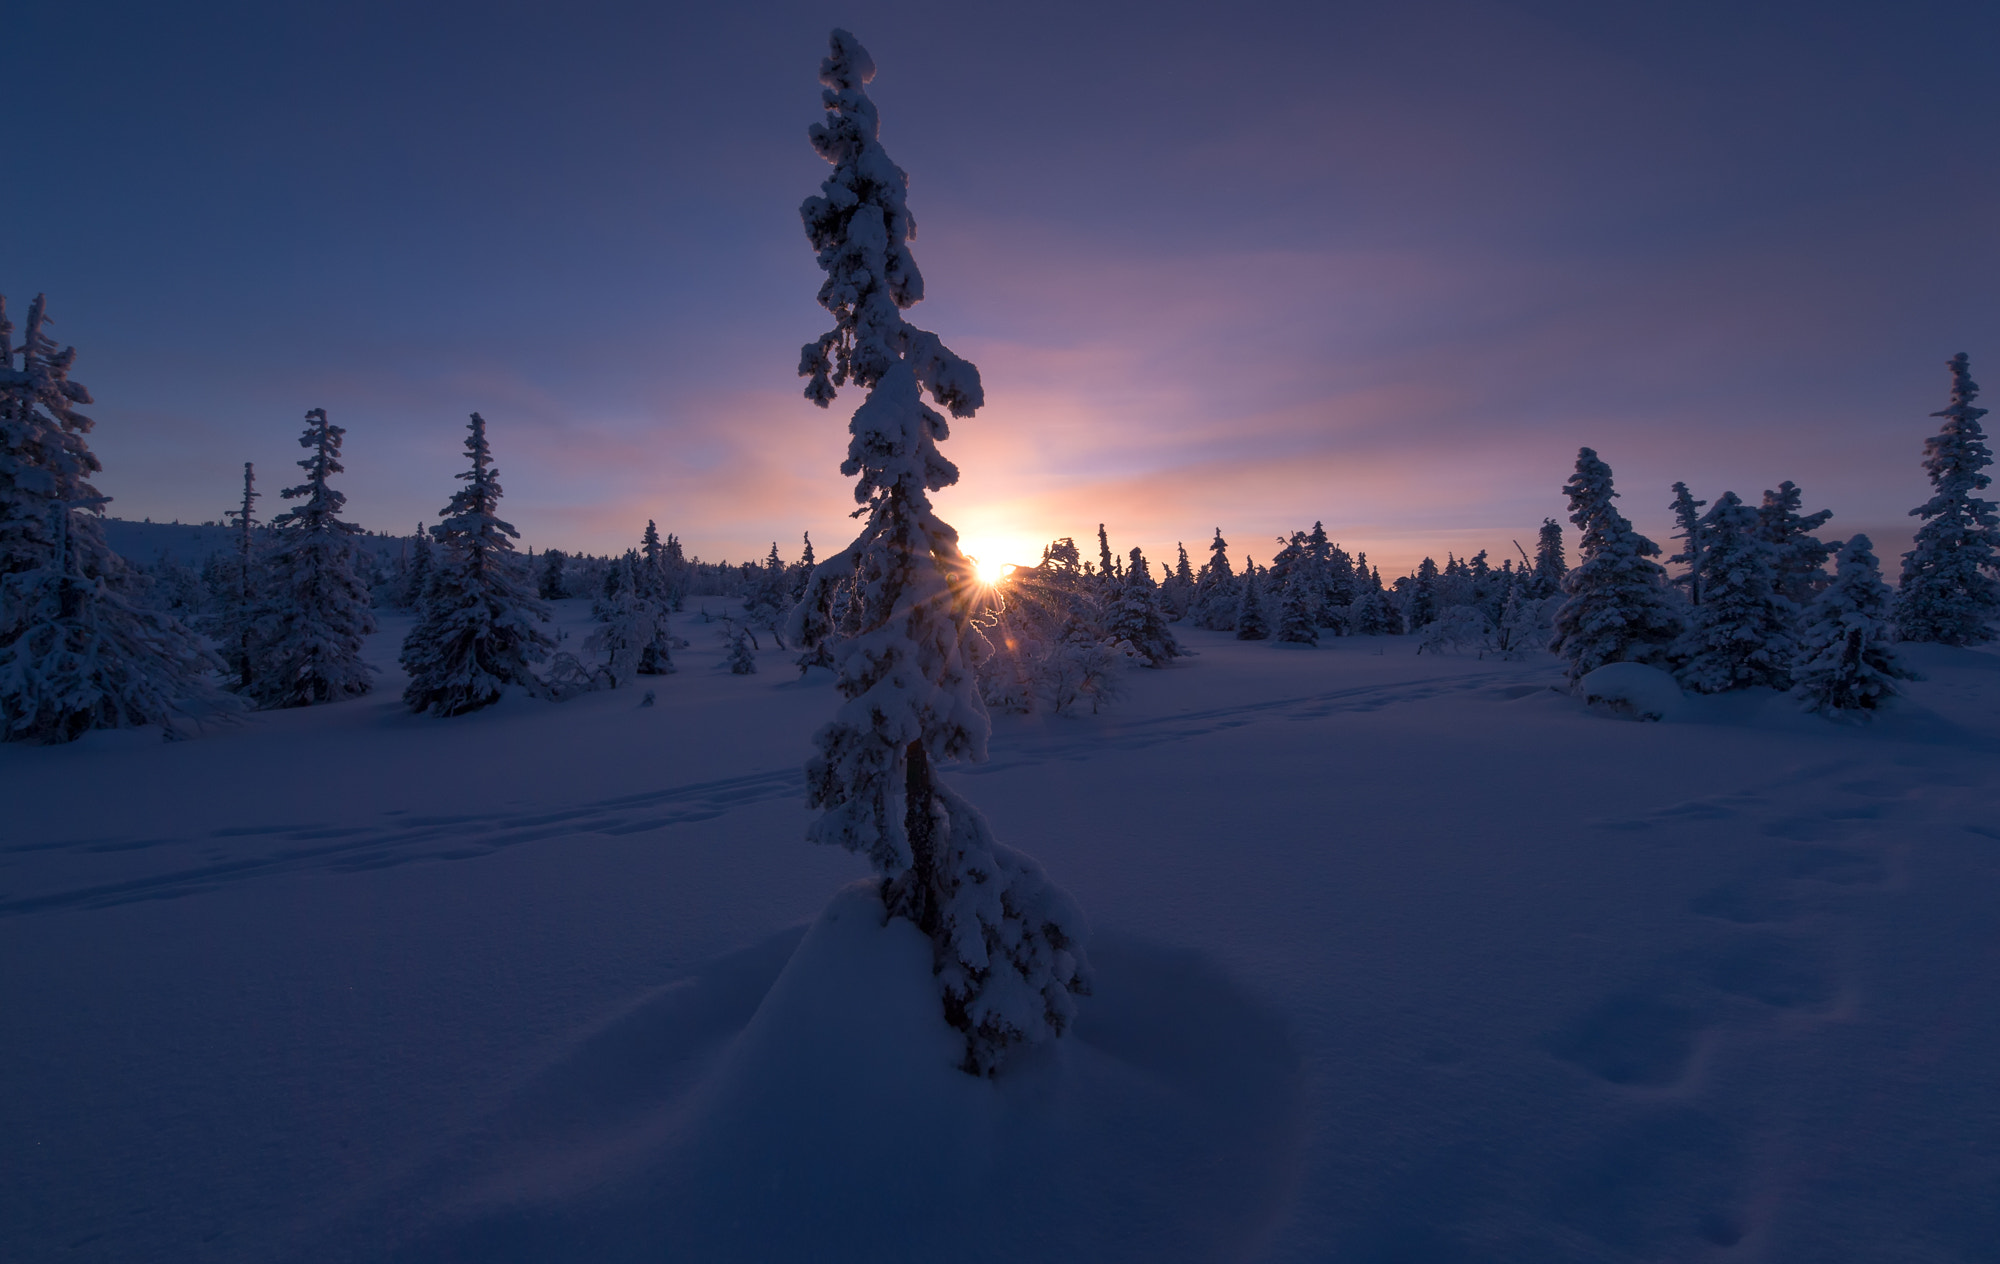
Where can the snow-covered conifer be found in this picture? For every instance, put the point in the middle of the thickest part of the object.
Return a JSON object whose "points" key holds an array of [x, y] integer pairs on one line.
{"points": [[1252, 624], [1948, 593], [1422, 605], [1798, 561], [1298, 607], [423, 567], [549, 582], [1846, 662], [1744, 631], [480, 628], [305, 639], [1216, 592], [1005, 940], [1177, 589], [1550, 566], [239, 589], [742, 658], [79, 648], [1135, 618], [1687, 516], [1617, 610]]}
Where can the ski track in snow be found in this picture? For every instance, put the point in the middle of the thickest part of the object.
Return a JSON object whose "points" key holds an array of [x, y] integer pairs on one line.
{"points": [[406, 839]]}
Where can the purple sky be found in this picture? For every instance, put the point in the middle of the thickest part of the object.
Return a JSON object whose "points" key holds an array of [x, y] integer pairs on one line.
{"points": [[1384, 265]]}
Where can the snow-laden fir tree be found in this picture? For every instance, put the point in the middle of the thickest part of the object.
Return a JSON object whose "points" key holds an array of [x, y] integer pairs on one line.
{"points": [[1298, 608], [803, 571], [1216, 594], [422, 569], [742, 658], [1136, 620], [1948, 593], [1252, 624], [480, 628], [634, 639], [1177, 589], [1005, 941], [238, 590], [1422, 605], [1550, 565], [1617, 609], [1687, 517], [1847, 663], [1744, 632], [79, 646], [549, 580], [312, 613], [1798, 560]]}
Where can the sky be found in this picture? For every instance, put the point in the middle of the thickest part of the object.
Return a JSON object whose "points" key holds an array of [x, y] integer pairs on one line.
{"points": [[1381, 265]]}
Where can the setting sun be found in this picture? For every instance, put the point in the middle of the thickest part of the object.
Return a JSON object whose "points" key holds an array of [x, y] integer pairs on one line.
{"points": [[990, 573]]}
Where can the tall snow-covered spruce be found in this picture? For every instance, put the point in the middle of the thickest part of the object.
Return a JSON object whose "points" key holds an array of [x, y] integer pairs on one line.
{"points": [[1948, 591], [304, 643], [1006, 942], [80, 648], [1846, 663], [1617, 610], [480, 626]]}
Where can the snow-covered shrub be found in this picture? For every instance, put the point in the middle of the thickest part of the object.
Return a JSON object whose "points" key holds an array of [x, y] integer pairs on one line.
{"points": [[1457, 628], [1948, 592], [1005, 941], [1634, 690], [1846, 663]]}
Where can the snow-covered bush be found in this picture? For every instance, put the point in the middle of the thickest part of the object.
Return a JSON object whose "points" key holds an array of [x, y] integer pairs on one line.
{"points": [[1135, 622], [1846, 664], [1006, 942], [1633, 690], [1948, 592], [1457, 628]]}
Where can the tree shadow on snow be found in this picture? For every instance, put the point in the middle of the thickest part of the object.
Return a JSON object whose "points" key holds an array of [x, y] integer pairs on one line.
{"points": [[796, 1100]]}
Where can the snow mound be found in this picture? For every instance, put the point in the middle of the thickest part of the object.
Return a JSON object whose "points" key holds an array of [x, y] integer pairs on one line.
{"points": [[801, 1100], [1635, 690]]}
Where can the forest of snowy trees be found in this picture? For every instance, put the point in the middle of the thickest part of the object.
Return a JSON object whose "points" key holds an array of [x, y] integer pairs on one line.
{"points": [[1756, 594]]}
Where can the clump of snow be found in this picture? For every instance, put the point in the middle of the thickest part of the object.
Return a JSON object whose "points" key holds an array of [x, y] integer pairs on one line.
{"points": [[1634, 689]]}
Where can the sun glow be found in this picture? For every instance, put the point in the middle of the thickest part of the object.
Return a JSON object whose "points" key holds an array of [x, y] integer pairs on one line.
{"points": [[990, 573]]}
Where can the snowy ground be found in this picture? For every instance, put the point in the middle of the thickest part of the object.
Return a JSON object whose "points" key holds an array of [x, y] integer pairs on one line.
{"points": [[1399, 958]]}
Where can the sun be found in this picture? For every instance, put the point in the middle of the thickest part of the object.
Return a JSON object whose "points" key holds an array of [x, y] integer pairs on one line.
{"points": [[990, 573]]}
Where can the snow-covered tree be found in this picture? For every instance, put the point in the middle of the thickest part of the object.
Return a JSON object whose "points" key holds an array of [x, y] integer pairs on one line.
{"points": [[1798, 561], [1216, 592], [1948, 593], [1005, 940], [742, 647], [1177, 589], [238, 589], [1550, 566], [1846, 662], [1687, 517], [1136, 620], [1617, 610], [1252, 624], [1298, 607], [548, 582], [79, 647], [480, 628], [312, 613], [1744, 632], [422, 569], [1422, 604]]}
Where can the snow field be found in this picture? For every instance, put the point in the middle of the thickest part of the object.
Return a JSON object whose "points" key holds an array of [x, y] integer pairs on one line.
{"points": [[1397, 957]]}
